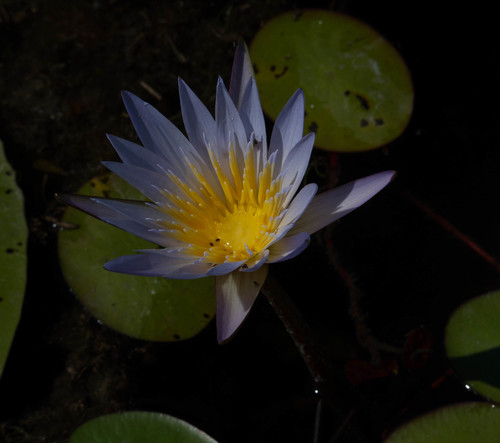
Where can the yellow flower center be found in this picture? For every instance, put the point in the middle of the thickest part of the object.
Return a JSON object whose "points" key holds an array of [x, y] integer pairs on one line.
{"points": [[230, 227]]}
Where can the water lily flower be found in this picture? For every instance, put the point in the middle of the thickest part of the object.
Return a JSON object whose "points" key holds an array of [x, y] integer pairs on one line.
{"points": [[222, 202]]}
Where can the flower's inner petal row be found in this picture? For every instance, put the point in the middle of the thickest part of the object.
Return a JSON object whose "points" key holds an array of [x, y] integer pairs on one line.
{"points": [[253, 117], [237, 226]]}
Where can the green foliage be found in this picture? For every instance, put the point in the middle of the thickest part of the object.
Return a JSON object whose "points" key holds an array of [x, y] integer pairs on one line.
{"points": [[359, 93], [13, 239], [460, 423], [473, 343], [143, 307], [138, 427]]}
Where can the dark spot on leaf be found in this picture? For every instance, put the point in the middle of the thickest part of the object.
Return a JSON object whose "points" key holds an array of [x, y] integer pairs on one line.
{"points": [[9, 172], [297, 16], [313, 127], [10, 250], [205, 315], [255, 68], [363, 102], [19, 243], [177, 336], [347, 92], [364, 122], [105, 193], [272, 68], [282, 73], [379, 121], [1, 299], [8, 191], [104, 179]]}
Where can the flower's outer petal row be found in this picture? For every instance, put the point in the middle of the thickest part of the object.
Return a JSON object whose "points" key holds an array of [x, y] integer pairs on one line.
{"points": [[296, 164], [107, 211], [156, 132], [136, 155], [329, 206], [241, 74], [146, 181], [150, 263], [198, 122], [225, 268], [289, 126], [235, 295], [288, 247]]}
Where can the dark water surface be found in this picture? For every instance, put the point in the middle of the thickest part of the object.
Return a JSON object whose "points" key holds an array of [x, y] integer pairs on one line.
{"points": [[62, 67]]}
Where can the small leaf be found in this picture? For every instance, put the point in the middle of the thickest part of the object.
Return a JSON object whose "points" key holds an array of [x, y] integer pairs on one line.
{"points": [[138, 427], [13, 239], [358, 90], [472, 342], [460, 423], [149, 308]]}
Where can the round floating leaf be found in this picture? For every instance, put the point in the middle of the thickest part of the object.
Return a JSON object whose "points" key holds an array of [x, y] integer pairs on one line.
{"points": [[13, 238], [143, 307], [461, 423], [138, 427], [358, 90], [472, 343]]}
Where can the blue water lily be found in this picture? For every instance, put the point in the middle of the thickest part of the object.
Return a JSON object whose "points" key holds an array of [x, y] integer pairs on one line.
{"points": [[222, 202]]}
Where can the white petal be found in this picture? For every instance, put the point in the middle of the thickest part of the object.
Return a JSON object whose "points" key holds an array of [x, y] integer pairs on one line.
{"points": [[329, 206], [157, 265], [253, 117], [296, 164], [235, 294], [288, 247], [300, 203], [199, 123], [241, 73], [289, 126]]}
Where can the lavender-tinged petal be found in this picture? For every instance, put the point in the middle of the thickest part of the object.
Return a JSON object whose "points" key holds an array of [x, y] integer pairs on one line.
{"points": [[137, 155], [289, 126], [253, 117], [235, 295], [288, 247], [132, 220], [146, 181], [156, 265], [140, 230], [300, 203], [295, 165], [225, 268], [329, 206], [255, 263], [241, 73], [156, 132], [198, 122], [228, 122]]}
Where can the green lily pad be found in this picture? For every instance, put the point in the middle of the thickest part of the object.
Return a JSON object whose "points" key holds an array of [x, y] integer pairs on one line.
{"points": [[358, 90], [138, 427], [148, 308], [13, 239], [472, 342], [460, 423]]}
